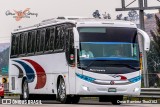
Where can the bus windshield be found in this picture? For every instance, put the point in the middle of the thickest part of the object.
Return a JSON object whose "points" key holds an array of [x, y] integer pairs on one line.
{"points": [[108, 51], [119, 45]]}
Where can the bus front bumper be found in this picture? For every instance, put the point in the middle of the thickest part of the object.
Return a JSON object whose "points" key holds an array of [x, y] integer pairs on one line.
{"points": [[88, 88]]}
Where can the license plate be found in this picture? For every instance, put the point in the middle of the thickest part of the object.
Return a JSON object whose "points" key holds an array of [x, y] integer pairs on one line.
{"points": [[112, 90]]}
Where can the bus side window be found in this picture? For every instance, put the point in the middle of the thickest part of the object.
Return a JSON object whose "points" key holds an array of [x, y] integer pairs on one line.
{"points": [[17, 44], [38, 41], [42, 40], [52, 38], [21, 43], [70, 52], [71, 47], [25, 43], [13, 46], [57, 38], [33, 41], [62, 39], [29, 45], [47, 39]]}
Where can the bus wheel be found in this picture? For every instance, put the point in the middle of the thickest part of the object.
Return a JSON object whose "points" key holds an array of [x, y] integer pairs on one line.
{"points": [[116, 100], [2, 97], [63, 98], [25, 91], [75, 99]]}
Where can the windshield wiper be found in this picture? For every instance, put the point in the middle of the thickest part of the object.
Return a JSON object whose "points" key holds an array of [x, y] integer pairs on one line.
{"points": [[129, 66], [90, 64]]}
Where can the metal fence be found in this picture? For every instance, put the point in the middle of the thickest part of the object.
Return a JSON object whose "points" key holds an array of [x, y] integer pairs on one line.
{"points": [[153, 80], [6, 87]]}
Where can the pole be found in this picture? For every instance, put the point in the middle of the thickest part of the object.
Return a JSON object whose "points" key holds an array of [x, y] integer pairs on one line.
{"points": [[123, 4], [141, 14], [141, 19], [145, 4]]}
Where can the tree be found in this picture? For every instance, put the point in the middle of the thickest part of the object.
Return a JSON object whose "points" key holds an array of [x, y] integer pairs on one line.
{"points": [[154, 54], [109, 16], [133, 15], [96, 14], [105, 16], [119, 17], [156, 35], [149, 16]]}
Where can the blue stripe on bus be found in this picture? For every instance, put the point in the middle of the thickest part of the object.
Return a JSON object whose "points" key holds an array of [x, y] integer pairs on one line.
{"points": [[106, 43], [90, 79], [86, 78], [29, 71], [135, 79], [111, 58]]}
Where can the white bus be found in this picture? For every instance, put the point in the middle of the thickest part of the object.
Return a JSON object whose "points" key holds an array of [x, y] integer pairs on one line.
{"points": [[73, 59]]}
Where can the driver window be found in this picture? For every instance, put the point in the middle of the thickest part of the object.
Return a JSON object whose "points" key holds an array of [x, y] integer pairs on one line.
{"points": [[70, 51]]}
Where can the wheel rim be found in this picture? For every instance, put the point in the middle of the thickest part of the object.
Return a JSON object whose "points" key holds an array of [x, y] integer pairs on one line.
{"points": [[25, 91], [62, 90]]}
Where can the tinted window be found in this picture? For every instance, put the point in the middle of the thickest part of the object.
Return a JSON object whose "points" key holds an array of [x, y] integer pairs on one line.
{"points": [[29, 42], [113, 34], [33, 41], [25, 43], [21, 43], [42, 40], [70, 52], [14, 43], [52, 38], [17, 44], [38, 41], [59, 38], [49, 39]]}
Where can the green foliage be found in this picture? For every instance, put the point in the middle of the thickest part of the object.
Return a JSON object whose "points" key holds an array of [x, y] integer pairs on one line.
{"points": [[153, 56], [153, 59], [154, 53]]}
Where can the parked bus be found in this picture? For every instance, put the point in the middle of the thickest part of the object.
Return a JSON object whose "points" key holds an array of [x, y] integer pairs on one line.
{"points": [[73, 59]]}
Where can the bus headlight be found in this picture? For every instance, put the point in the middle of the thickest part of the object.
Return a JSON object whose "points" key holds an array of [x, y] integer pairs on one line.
{"points": [[85, 88], [136, 89]]}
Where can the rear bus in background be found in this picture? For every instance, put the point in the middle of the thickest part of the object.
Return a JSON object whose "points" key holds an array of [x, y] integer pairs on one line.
{"points": [[73, 59]]}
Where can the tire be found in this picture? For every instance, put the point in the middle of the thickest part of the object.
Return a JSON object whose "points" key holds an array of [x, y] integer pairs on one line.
{"points": [[75, 99], [115, 100], [2, 97], [25, 91], [61, 93]]}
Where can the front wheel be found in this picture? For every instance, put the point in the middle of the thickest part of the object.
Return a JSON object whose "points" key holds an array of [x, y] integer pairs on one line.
{"points": [[25, 91], [2, 97], [75, 99], [61, 91]]}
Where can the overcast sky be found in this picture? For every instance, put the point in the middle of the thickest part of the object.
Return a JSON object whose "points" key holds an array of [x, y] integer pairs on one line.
{"points": [[52, 8]]}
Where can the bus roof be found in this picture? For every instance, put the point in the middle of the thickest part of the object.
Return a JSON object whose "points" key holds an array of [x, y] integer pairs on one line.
{"points": [[104, 23], [79, 22]]}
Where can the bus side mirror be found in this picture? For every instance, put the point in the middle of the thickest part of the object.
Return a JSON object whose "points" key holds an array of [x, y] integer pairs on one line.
{"points": [[76, 38], [146, 39]]}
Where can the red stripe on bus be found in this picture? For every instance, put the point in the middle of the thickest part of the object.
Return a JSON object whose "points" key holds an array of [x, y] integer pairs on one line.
{"points": [[41, 75]]}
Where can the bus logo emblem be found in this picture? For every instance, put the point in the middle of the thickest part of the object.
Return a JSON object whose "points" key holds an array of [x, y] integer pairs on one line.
{"points": [[112, 82]]}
